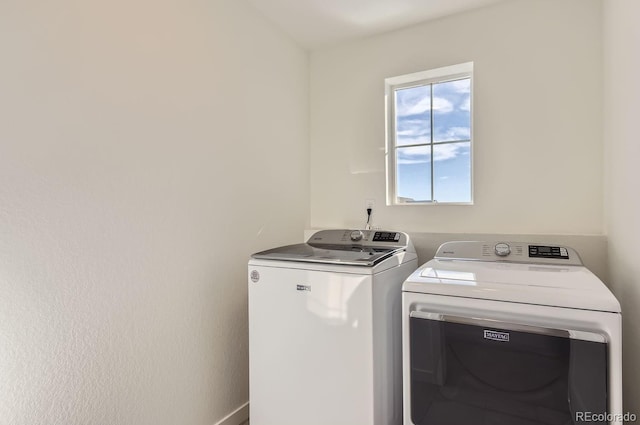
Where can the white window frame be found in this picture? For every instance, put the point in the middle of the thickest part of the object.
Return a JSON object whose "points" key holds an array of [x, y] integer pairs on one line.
{"points": [[438, 75]]}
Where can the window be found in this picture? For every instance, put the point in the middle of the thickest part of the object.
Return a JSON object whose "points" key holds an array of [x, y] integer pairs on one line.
{"points": [[429, 140]]}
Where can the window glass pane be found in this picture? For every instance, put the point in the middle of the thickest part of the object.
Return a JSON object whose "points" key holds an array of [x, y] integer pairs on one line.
{"points": [[452, 172], [413, 115], [451, 111], [414, 174]]}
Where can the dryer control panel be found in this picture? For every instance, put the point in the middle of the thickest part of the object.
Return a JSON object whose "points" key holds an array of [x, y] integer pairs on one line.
{"points": [[517, 252]]}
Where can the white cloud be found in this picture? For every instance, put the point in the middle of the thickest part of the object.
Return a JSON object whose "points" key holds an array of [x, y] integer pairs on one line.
{"points": [[444, 152], [414, 155], [411, 132], [422, 154], [412, 161], [461, 86], [466, 104], [453, 134], [419, 108], [413, 129], [413, 100], [442, 105]]}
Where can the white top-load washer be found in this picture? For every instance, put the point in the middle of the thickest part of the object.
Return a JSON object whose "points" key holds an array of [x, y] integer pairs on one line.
{"points": [[325, 329], [510, 333]]}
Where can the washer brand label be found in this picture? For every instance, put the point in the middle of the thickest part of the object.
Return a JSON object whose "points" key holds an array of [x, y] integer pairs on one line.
{"points": [[496, 336], [255, 276], [303, 288]]}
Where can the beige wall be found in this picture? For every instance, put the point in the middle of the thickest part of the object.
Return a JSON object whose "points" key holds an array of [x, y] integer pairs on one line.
{"points": [[622, 152], [143, 148], [538, 159]]}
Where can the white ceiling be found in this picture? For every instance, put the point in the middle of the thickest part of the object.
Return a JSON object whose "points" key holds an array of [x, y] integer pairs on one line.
{"points": [[317, 23]]}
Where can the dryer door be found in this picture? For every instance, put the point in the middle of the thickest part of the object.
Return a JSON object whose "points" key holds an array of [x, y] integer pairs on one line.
{"points": [[472, 371]]}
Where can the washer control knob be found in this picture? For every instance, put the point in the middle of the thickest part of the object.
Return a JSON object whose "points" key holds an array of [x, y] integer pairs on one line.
{"points": [[356, 235], [502, 249]]}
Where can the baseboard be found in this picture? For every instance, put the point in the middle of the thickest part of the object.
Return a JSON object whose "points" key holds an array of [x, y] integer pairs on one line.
{"points": [[237, 417]]}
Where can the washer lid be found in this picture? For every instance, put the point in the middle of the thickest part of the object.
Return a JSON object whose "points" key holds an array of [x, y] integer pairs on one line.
{"points": [[344, 247], [540, 284], [354, 255]]}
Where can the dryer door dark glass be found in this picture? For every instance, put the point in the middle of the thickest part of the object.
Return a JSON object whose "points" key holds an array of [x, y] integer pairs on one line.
{"points": [[464, 374]]}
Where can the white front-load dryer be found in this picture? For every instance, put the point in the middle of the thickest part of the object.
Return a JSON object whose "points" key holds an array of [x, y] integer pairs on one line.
{"points": [[325, 329], [510, 333]]}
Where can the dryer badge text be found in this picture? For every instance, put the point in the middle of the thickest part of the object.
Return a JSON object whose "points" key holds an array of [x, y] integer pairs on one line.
{"points": [[496, 336]]}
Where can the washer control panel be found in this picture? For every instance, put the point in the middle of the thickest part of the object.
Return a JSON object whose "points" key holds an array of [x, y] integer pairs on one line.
{"points": [[356, 235], [502, 249], [386, 237], [350, 237], [545, 251]]}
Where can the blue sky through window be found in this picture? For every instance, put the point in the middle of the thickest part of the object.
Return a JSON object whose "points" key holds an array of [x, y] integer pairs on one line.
{"points": [[448, 105]]}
